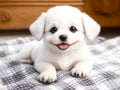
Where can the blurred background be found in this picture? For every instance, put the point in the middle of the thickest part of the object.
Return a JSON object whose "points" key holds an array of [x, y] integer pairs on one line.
{"points": [[17, 15]]}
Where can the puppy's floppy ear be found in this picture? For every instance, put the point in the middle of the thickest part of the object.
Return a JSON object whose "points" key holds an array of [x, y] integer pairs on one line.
{"points": [[37, 27], [91, 27]]}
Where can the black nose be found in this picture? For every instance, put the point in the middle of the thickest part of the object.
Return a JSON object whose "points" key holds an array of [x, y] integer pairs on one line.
{"points": [[63, 37]]}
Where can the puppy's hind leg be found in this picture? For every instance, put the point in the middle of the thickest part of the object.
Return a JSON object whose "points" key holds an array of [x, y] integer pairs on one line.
{"points": [[47, 72], [25, 53]]}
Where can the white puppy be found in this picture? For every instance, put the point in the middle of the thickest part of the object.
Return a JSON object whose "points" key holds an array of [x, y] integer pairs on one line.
{"points": [[64, 31]]}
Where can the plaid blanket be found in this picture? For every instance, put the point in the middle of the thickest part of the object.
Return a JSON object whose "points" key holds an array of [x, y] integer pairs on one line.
{"points": [[15, 75]]}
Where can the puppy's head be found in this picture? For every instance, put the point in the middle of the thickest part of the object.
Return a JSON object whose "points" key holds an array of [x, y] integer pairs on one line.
{"points": [[64, 28]]}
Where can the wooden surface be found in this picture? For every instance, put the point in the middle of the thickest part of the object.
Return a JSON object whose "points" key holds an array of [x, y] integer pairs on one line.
{"points": [[105, 12], [19, 14]]}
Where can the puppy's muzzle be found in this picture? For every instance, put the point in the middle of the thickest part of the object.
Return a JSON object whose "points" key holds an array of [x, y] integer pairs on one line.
{"points": [[63, 45], [63, 37]]}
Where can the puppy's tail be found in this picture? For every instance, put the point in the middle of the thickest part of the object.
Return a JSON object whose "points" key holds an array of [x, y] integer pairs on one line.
{"points": [[25, 53]]}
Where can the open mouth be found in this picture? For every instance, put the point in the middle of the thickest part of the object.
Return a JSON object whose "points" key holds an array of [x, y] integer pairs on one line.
{"points": [[63, 46]]}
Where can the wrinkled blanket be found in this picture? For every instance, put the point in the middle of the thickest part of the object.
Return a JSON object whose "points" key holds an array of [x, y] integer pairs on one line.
{"points": [[16, 75]]}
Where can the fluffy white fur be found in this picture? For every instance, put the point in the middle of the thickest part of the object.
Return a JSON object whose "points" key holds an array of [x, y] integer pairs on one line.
{"points": [[50, 53]]}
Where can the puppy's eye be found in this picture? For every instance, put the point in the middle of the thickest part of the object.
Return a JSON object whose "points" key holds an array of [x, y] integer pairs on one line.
{"points": [[73, 29], [53, 30]]}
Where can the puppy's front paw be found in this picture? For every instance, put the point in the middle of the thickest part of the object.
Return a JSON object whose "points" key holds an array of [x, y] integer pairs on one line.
{"points": [[80, 71], [47, 77]]}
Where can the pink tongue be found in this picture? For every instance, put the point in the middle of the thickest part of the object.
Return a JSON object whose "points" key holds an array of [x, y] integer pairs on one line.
{"points": [[63, 46]]}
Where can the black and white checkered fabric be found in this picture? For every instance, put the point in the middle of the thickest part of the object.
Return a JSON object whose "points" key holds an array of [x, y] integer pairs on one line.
{"points": [[15, 75]]}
